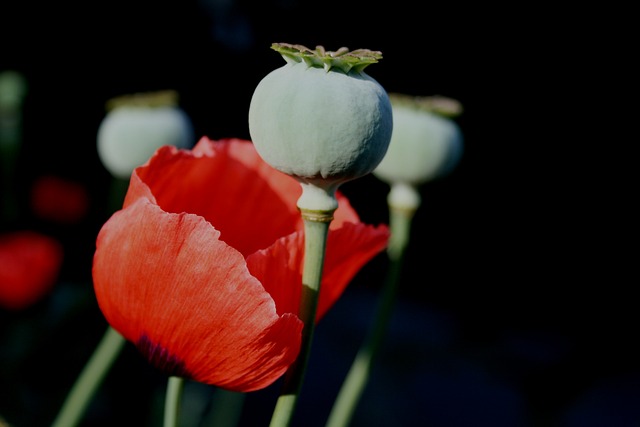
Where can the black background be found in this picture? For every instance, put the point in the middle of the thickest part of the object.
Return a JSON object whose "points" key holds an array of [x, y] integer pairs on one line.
{"points": [[520, 252]]}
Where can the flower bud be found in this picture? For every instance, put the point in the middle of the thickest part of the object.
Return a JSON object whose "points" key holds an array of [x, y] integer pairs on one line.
{"points": [[426, 143], [136, 126], [321, 119]]}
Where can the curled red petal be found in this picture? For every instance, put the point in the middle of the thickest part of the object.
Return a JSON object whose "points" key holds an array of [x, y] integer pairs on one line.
{"points": [[344, 213], [168, 283], [349, 248], [279, 269], [228, 184], [30, 263]]}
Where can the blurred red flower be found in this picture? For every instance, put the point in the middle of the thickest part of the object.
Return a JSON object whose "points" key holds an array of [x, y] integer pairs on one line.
{"points": [[60, 200], [29, 266], [202, 268]]}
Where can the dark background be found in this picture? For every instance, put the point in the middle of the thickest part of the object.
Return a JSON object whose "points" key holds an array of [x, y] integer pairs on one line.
{"points": [[516, 304]]}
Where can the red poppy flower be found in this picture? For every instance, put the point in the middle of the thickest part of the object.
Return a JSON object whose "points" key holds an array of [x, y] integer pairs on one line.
{"points": [[29, 266], [201, 269]]}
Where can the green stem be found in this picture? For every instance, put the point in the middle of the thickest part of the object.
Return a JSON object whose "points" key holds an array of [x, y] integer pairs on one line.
{"points": [[316, 227], [175, 386], [358, 375], [104, 355], [90, 378]]}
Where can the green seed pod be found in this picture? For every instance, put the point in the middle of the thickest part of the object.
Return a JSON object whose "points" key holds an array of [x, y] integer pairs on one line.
{"points": [[135, 126], [321, 119], [426, 143]]}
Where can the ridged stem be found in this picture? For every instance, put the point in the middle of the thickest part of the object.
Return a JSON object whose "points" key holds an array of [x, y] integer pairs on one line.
{"points": [[316, 228], [172, 403]]}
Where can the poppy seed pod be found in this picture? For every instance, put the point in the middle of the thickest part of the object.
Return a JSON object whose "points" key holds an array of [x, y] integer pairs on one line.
{"points": [[426, 143], [136, 126], [321, 119]]}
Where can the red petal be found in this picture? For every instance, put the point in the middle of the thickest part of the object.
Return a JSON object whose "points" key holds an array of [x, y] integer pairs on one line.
{"points": [[229, 185], [279, 269], [349, 248], [344, 213], [29, 266], [167, 279]]}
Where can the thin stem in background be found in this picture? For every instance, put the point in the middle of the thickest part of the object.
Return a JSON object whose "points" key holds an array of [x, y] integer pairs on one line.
{"points": [[90, 379], [175, 386], [358, 375], [103, 356]]}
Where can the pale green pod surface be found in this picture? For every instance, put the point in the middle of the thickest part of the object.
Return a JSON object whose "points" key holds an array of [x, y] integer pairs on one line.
{"points": [[322, 123], [130, 134], [424, 145]]}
